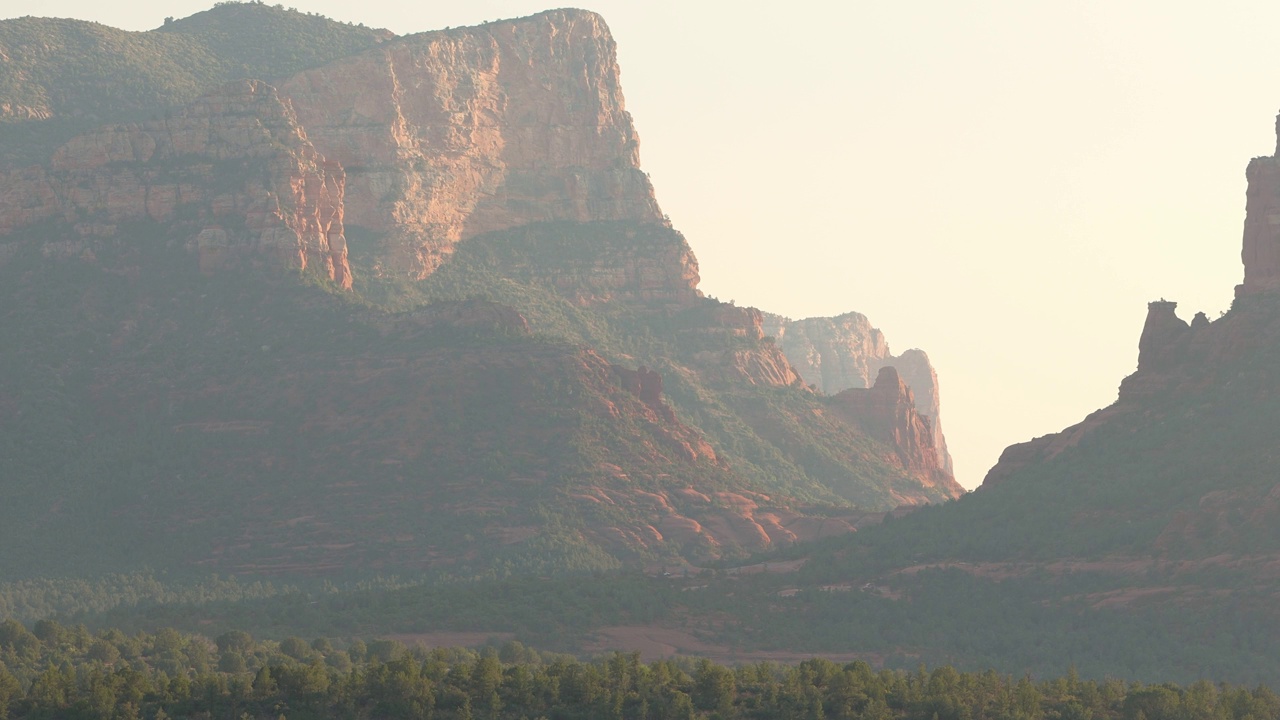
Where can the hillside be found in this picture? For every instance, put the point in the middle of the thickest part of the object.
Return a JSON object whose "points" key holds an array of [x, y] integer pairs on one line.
{"points": [[62, 77], [1141, 541], [352, 305], [397, 325]]}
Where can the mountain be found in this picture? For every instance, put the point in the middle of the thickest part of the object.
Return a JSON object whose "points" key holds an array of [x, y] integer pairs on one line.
{"points": [[346, 303], [61, 77], [842, 352], [1142, 541]]}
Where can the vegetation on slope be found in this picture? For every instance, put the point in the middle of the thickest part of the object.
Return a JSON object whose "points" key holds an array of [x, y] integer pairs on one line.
{"points": [[775, 438], [74, 75], [270, 425], [56, 671]]}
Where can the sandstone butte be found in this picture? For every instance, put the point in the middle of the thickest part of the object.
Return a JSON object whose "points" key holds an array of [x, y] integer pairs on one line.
{"points": [[416, 146], [1173, 353]]}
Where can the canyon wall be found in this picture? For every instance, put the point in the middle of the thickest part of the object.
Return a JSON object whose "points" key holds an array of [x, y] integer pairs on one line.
{"points": [[451, 134], [233, 175], [845, 351], [421, 142], [887, 412]]}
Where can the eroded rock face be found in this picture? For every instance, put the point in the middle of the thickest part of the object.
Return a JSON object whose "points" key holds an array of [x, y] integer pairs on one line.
{"points": [[755, 362], [716, 521], [831, 353], [233, 173], [1261, 250], [887, 412], [423, 142], [452, 134], [646, 385], [1160, 334], [845, 351], [596, 263], [509, 139]]}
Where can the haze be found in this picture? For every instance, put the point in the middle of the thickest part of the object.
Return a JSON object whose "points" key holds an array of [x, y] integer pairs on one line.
{"points": [[1004, 185]]}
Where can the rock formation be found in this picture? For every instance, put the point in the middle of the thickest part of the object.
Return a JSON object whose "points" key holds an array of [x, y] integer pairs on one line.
{"points": [[421, 143], [887, 412], [496, 169], [452, 134], [646, 386], [845, 351], [1261, 250], [233, 174], [1162, 349], [751, 361], [1161, 332], [1179, 357]]}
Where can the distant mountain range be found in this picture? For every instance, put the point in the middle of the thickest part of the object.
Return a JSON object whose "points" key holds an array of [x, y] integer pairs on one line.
{"points": [[290, 297], [348, 306]]}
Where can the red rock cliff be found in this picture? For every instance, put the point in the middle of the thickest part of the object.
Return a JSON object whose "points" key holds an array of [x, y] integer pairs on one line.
{"points": [[755, 362], [423, 142], [842, 352], [451, 134], [887, 412], [233, 173]]}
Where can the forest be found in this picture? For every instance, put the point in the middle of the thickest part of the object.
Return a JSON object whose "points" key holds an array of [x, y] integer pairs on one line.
{"points": [[54, 671]]}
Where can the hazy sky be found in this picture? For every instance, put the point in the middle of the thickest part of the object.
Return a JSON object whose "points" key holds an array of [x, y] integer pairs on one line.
{"points": [[1002, 184]]}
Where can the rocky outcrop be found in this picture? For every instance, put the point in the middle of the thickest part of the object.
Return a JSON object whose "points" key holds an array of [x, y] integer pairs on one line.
{"points": [[422, 142], [743, 355], [845, 351], [1167, 342], [233, 174], [717, 523], [831, 353], [1176, 357], [16, 111], [646, 386], [886, 411], [1261, 249], [1160, 334], [452, 134]]}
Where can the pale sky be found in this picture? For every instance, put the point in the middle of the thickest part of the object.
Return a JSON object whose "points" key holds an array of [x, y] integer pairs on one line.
{"points": [[1002, 184]]}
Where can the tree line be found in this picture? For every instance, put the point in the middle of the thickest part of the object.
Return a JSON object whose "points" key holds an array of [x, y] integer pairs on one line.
{"points": [[53, 671]]}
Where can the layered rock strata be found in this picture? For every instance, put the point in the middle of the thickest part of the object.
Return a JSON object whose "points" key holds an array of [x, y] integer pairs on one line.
{"points": [[422, 143], [233, 174], [753, 361], [451, 134], [887, 412], [506, 143], [845, 351]]}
